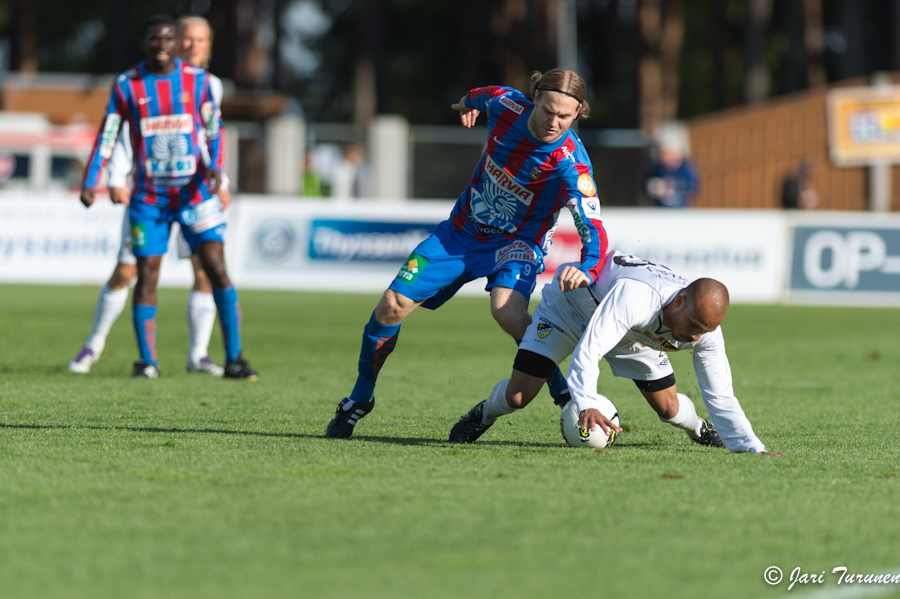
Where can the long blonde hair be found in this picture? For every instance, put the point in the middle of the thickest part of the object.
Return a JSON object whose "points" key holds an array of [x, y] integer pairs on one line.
{"points": [[563, 81], [186, 20]]}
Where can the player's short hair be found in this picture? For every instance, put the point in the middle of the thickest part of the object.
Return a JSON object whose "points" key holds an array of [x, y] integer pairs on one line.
{"points": [[185, 20], [158, 20], [563, 81]]}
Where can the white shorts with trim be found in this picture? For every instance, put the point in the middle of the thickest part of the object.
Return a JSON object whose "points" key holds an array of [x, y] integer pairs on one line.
{"points": [[127, 257], [556, 327]]}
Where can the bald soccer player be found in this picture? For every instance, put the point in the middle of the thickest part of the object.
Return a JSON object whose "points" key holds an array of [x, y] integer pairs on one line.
{"points": [[634, 314]]}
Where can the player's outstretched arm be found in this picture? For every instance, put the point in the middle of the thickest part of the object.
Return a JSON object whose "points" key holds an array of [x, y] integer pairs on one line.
{"points": [[88, 194], [467, 116]]}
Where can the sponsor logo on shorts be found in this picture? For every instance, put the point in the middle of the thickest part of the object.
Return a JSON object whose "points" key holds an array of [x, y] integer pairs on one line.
{"points": [[543, 330], [586, 185], [515, 107], [517, 250], [415, 264], [109, 135], [172, 123], [138, 235]]}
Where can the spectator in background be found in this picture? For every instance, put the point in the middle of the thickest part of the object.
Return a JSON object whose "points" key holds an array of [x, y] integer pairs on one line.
{"points": [[797, 190], [672, 179], [312, 181], [350, 174]]}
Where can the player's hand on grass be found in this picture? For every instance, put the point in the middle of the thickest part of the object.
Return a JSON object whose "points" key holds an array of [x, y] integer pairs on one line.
{"points": [[467, 115], [588, 418], [214, 180], [119, 195], [224, 198], [571, 278], [87, 196]]}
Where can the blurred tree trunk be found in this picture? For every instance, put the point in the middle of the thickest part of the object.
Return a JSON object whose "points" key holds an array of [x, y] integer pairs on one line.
{"points": [[814, 42], [24, 37], [368, 77], [757, 82], [661, 24]]}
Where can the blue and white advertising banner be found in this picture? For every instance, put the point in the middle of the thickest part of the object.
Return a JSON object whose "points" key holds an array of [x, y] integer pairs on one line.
{"points": [[841, 257], [762, 256], [53, 239]]}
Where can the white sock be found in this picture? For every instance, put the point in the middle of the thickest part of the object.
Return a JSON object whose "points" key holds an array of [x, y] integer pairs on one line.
{"points": [[496, 405], [686, 418], [109, 305], [201, 317]]}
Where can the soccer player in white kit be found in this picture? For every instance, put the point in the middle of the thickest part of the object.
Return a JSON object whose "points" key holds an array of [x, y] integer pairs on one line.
{"points": [[195, 46], [632, 316]]}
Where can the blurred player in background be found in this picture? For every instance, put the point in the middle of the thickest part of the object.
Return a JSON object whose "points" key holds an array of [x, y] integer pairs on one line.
{"points": [[501, 226], [632, 315], [167, 103], [194, 46]]}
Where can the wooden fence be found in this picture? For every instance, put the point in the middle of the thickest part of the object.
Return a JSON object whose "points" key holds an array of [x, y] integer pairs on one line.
{"points": [[744, 154]]}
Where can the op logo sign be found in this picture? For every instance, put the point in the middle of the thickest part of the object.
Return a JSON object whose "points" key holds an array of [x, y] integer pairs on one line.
{"points": [[845, 259]]}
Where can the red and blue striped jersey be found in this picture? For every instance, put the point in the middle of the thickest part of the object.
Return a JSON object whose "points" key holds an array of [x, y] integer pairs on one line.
{"points": [[165, 114], [521, 184]]}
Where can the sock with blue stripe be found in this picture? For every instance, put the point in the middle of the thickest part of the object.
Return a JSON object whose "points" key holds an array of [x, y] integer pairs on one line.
{"points": [[378, 342], [144, 318], [230, 319]]}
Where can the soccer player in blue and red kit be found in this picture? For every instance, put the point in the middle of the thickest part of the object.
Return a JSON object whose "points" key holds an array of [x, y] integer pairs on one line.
{"points": [[166, 102], [500, 227]]}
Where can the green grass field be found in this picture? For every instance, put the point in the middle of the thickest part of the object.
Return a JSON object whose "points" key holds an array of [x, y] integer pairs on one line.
{"points": [[195, 487]]}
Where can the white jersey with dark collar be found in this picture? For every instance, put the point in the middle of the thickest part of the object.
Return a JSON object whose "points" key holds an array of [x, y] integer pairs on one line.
{"points": [[624, 306]]}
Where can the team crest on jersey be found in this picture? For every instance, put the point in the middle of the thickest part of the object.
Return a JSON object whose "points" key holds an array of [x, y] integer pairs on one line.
{"points": [[543, 330], [586, 185], [184, 97], [515, 107], [536, 173]]}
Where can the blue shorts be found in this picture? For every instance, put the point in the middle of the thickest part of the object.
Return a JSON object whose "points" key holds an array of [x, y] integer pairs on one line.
{"points": [[150, 225], [447, 260]]}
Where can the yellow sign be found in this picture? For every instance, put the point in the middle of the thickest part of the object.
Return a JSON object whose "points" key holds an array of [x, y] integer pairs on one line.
{"points": [[864, 125]]}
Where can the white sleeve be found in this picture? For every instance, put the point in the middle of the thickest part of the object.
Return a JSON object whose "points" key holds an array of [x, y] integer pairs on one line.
{"points": [[627, 304], [714, 376], [121, 161], [218, 90]]}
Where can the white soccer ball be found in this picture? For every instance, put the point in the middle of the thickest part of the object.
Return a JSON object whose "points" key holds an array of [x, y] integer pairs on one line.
{"points": [[574, 436]]}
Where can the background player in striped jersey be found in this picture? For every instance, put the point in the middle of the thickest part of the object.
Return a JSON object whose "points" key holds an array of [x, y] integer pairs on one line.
{"points": [[500, 227], [194, 46], [167, 102]]}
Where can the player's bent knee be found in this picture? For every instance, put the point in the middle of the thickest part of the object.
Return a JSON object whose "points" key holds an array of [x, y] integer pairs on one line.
{"points": [[534, 364], [393, 308], [657, 385]]}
